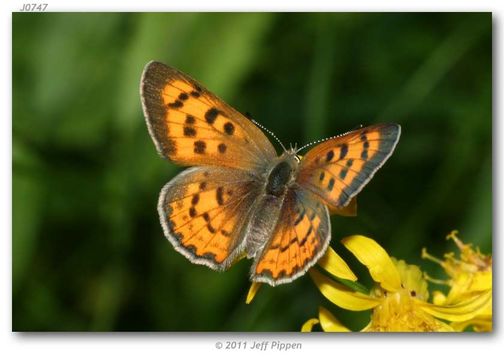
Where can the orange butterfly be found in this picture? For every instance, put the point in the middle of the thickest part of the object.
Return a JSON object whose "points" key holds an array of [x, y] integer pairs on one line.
{"points": [[240, 198]]}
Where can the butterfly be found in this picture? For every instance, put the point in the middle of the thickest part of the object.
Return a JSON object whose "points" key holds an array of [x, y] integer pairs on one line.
{"points": [[239, 198]]}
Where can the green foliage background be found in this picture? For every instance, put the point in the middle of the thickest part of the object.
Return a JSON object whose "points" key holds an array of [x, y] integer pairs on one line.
{"points": [[88, 249]]}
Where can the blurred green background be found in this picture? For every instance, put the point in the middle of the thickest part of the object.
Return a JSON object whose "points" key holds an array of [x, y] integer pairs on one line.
{"points": [[88, 250]]}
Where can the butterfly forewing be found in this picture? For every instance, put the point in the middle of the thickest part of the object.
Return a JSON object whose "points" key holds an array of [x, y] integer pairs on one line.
{"points": [[204, 210], [191, 126], [338, 169], [300, 238]]}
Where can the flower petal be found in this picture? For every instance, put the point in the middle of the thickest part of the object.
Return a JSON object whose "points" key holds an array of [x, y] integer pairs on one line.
{"points": [[424, 323], [308, 325], [462, 311], [329, 323], [481, 281], [335, 265], [341, 295], [443, 327], [376, 259], [481, 323], [254, 288], [438, 298]]}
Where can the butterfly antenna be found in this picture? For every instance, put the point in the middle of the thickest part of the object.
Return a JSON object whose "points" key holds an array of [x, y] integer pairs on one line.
{"points": [[316, 142], [269, 132]]}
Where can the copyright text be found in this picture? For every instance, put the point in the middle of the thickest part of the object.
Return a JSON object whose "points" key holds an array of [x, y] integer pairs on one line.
{"points": [[273, 345]]}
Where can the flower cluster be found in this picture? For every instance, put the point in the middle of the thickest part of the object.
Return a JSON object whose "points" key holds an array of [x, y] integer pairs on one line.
{"points": [[468, 275], [399, 300]]}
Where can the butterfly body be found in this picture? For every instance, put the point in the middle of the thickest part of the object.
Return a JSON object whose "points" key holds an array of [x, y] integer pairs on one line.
{"points": [[240, 198], [274, 184]]}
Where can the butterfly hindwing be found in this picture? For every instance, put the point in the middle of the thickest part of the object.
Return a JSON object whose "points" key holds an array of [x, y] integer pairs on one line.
{"points": [[204, 210], [338, 169], [191, 126], [300, 238]]}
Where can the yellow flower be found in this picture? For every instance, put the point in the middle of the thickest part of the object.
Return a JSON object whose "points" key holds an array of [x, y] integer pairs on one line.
{"points": [[399, 300], [470, 274]]}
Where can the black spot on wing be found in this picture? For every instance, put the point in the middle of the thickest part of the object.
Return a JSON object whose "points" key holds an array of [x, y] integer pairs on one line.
{"points": [[220, 195], [229, 128], [175, 105], [209, 256], [211, 228], [222, 148], [189, 131], [190, 120], [329, 155], [330, 186], [211, 115], [199, 147], [343, 151]]}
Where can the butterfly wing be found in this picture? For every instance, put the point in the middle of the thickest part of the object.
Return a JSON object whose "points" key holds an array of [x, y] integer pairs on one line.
{"points": [[300, 238], [204, 210], [339, 168], [191, 126]]}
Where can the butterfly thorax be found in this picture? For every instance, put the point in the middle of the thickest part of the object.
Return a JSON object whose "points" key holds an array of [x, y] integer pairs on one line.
{"points": [[282, 174]]}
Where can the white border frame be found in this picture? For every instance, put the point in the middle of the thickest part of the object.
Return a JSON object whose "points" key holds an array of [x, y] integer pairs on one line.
{"points": [[172, 345]]}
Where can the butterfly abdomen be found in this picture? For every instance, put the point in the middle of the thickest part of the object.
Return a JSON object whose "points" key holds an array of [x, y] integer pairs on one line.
{"points": [[263, 222]]}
